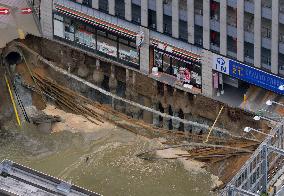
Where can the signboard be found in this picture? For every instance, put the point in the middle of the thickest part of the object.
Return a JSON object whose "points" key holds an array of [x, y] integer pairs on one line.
{"points": [[247, 73], [220, 64], [255, 76]]}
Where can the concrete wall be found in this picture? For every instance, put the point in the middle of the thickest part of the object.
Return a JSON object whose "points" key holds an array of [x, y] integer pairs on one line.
{"points": [[207, 84], [46, 18], [144, 52]]}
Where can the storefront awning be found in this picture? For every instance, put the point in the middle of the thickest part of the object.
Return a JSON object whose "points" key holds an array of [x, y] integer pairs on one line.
{"points": [[183, 54], [69, 11]]}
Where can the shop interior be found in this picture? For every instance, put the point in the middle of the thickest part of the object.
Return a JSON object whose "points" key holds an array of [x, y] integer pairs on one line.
{"points": [[185, 70]]}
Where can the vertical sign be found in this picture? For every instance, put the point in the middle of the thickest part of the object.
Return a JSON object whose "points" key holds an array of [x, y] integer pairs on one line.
{"points": [[220, 64]]}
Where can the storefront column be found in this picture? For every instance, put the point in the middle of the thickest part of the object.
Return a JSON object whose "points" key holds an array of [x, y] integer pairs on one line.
{"points": [[223, 27], [156, 119], [112, 84], [46, 18], [160, 12], [147, 116], [111, 7], [95, 4], [127, 91], [175, 18], [176, 123], [257, 33], [98, 75], [145, 52], [206, 24], [207, 78], [240, 30], [190, 20], [144, 13], [166, 120], [128, 10], [275, 36], [187, 126]]}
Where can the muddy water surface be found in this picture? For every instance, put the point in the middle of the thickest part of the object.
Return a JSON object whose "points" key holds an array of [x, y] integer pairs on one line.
{"points": [[111, 167]]}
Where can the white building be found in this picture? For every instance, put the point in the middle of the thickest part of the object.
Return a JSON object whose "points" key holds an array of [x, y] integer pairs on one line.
{"points": [[245, 35]]}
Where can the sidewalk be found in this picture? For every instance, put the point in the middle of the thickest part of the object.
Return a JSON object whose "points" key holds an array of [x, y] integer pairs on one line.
{"points": [[256, 100], [9, 24]]}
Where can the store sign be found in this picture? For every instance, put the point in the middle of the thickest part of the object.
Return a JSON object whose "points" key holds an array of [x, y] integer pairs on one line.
{"points": [[220, 64], [247, 73], [255, 76]]}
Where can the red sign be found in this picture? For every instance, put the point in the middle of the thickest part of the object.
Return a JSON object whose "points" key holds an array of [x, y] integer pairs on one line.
{"points": [[4, 11], [26, 10]]}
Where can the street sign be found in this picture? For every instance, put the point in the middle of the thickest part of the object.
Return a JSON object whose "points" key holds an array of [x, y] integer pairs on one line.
{"points": [[4, 11], [26, 10]]}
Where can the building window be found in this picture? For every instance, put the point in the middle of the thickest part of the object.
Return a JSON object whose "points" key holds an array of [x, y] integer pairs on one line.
{"points": [[198, 35], [152, 19], [249, 53], [136, 13], [232, 47], [167, 24], [84, 2], [183, 34], [215, 41], [87, 3], [266, 58], [281, 63], [103, 5], [120, 8]]}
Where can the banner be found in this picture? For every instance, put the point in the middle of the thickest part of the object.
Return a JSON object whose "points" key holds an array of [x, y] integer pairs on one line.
{"points": [[248, 73]]}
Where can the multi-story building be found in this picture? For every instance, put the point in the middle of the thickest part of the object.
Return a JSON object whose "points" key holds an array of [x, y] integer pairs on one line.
{"points": [[219, 41]]}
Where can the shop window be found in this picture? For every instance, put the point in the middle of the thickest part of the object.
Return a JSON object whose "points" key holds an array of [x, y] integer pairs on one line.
{"points": [[128, 53], [103, 5], [106, 45], [124, 41], [136, 13], [69, 29], [158, 59], [184, 70], [86, 36], [120, 8], [166, 62]]}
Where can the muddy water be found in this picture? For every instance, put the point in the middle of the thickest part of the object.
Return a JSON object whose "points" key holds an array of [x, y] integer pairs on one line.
{"points": [[112, 167]]}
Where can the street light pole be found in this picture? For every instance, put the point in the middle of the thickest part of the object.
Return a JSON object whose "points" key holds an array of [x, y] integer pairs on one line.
{"points": [[270, 102], [248, 129]]}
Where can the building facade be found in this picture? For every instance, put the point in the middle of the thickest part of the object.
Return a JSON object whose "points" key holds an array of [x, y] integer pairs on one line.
{"points": [[216, 41]]}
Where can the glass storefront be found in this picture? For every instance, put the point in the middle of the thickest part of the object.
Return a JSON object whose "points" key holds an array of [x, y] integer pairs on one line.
{"points": [[115, 46], [177, 66]]}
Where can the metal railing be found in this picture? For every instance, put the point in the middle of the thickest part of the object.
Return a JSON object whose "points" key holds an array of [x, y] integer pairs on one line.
{"points": [[263, 168]]}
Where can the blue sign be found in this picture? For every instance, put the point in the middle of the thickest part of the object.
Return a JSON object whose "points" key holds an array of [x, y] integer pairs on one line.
{"points": [[255, 76]]}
